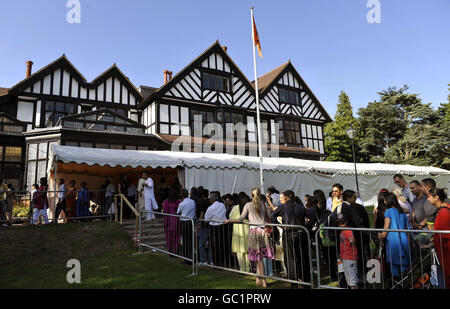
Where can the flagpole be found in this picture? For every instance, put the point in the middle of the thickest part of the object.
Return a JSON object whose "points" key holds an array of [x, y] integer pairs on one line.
{"points": [[258, 120]]}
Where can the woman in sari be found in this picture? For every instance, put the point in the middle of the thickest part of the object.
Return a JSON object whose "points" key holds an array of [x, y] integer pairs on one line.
{"points": [[171, 223], [397, 245]]}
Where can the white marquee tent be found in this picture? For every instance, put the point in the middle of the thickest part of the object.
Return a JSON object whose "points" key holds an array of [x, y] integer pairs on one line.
{"points": [[229, 173]]}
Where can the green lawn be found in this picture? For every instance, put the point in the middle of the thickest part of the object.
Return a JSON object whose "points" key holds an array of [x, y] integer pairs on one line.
{"points": [[369, 210], [36, 257]]}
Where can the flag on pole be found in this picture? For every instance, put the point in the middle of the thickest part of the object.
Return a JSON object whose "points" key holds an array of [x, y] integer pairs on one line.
{"points": [[256, 38]]}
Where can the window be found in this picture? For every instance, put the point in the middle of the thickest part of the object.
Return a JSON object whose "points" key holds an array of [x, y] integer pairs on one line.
{"points": [[101, 121], [7, 125], [120, 111], [251, 129], [312, 137], [215, 82], [37, 161], [104, 146], [12, 173], [292, 133], [273, 132], [174, 121], [86, 108], [55, 110], [206, 117], [11, 164], [289, 96], [234, 119]]}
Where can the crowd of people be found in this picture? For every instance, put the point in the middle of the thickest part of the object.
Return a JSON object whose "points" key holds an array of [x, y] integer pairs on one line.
{"points": [[235, 231], [78, 204]]}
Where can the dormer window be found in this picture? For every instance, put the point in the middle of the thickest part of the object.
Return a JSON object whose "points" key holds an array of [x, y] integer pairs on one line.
{"points": [[289, 96], [215, 82]]}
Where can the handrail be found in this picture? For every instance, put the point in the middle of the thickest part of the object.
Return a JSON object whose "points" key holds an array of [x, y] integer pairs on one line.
{"points": [[127, 202], [123, 198]]}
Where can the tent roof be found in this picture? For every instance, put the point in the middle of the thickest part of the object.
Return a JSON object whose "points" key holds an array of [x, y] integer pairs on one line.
{"points": [[163, 159]]}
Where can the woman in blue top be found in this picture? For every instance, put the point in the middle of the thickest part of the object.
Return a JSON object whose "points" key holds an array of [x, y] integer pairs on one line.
{"points": [[83, 201], [397, 245]]}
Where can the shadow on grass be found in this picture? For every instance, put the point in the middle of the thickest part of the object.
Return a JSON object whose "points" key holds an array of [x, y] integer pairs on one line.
{"points": [[36, 257]]}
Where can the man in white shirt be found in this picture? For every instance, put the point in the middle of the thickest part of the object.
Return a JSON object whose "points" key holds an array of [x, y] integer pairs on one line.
{"points": [[61, 205], [149, 196], [187, 209], [216, 211], [109, 194], [400, 181]]}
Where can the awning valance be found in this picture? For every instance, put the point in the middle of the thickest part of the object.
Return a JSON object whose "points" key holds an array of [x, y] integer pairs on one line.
{"points": [[169, 159]]}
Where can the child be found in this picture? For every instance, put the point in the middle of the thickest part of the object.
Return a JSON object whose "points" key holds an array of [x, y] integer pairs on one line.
{"points": [[348, 253]]}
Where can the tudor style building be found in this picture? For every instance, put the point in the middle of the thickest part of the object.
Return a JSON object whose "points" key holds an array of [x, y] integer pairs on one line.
{"points": [[215, 88], [56, 105]]}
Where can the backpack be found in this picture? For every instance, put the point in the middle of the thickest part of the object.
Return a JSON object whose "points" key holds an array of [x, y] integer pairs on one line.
{"points": [[331, 221]]}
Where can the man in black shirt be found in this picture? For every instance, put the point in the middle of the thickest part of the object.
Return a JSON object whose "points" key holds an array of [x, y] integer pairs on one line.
{"points": [[295, 240], [202, 227], [360, 219]]}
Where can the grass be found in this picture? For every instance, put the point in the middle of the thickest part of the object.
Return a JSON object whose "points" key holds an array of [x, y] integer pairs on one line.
{"points": [[36, 256]]}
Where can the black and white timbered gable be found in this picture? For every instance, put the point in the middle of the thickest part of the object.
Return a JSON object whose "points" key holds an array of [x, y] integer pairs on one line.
{"points": [[211, 78], [284, 91], [59, 89]]}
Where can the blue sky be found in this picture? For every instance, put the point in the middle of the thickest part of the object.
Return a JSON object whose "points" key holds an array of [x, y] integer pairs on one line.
{"points": [[330, 43]]}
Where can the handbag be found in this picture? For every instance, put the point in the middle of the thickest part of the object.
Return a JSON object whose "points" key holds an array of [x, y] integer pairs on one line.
{"points": [[268, 228], [437, 275]]}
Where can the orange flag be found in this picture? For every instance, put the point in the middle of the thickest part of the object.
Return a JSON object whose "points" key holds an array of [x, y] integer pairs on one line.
{"points": [[256, 38]]}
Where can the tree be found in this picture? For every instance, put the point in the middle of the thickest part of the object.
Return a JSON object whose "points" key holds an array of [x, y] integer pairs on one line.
{"points": [[338, 145], [401, 129], [382, 125]]}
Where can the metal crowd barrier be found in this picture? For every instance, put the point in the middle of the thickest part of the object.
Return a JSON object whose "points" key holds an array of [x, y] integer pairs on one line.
{"points": [[19, 199], [226, 248], [91, 210], [168, 233], [404, 261]]}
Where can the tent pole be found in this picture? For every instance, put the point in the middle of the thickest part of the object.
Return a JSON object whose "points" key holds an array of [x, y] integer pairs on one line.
{"points": [[55, 162]]}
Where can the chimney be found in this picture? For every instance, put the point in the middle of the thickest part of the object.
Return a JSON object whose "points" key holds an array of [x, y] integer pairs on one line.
{"points": [[29, 65], [224, 48], [170, 75], [166, 73]]}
